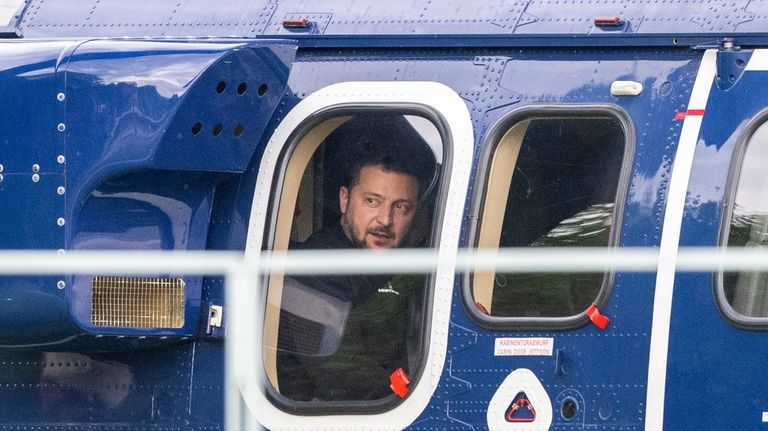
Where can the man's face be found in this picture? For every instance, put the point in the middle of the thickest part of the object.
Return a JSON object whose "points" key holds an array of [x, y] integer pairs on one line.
{"points": [[379, 209]]}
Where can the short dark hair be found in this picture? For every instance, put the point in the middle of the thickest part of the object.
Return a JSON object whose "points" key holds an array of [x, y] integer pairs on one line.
{"points": [[389, 141]]}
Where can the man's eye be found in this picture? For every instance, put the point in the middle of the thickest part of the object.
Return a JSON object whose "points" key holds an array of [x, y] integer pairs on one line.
{"points": [[371, 201], [403, 208]]}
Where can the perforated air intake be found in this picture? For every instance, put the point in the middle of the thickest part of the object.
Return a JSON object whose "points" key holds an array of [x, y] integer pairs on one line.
{"points": [[136, 302]]}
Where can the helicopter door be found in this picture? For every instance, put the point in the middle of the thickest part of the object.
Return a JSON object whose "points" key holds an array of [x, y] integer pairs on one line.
{"points": [[714, 327]]}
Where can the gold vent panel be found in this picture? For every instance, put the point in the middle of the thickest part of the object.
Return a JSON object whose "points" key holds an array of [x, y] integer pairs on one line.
{"points": [[138, 302]]}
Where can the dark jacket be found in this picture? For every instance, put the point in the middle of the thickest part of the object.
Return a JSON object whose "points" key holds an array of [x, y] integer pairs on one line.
{"points": [[374, 341]]}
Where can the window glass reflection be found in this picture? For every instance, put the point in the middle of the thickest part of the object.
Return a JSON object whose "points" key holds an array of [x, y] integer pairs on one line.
{"points": [[558, 179], [747, 292]]}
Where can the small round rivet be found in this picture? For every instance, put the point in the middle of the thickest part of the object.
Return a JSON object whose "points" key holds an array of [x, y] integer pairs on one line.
{"points": [[61, 159], [60, 190], [60, 97], [35, 178], [35, 168], [60, 252], [1, 168], [60, 221], [61, 284], [1, 178], [61, 127]]}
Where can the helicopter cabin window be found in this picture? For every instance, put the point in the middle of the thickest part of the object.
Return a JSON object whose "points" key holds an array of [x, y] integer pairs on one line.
{"points": [[357, 180], [744, 294], [551, 181]]}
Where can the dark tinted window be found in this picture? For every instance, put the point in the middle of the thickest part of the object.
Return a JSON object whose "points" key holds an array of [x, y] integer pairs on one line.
{"points": [[552, 183]]}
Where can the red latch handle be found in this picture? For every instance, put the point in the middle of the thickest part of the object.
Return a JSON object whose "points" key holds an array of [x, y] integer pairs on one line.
{"points": [[296, 23], [482, 308], [600, 320], [607, 21], [399, 382], [523, 402]]}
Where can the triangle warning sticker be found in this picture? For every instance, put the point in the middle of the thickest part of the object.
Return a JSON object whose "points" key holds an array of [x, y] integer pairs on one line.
{"points": [[521, 409], [520, 404]]}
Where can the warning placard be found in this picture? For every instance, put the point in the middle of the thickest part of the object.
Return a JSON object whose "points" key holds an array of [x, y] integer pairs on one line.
{"points": [[536, 346]]}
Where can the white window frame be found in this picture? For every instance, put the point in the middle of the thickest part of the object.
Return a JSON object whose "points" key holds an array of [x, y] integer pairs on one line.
{"points": [[445, 103]]}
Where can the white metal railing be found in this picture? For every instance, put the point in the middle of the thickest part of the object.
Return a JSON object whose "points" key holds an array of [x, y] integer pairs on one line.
{"points": [[243, 290], [574, 259]]}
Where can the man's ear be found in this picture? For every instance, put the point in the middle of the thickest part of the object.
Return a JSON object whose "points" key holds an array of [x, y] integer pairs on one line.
{"points": [[343, 199]]}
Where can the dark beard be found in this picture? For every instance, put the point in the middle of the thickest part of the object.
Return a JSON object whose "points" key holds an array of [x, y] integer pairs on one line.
{"points": [[351, 232]]}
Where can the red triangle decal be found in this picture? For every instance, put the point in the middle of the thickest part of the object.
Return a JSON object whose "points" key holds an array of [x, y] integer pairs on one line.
{"points": [[521, 409]]}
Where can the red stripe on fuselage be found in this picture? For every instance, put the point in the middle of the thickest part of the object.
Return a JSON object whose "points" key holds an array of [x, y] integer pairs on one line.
{"points": [[690, 112]]}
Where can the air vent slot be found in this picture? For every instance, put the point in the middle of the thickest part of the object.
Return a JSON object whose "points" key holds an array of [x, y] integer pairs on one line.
{"points": [[138, 302]]}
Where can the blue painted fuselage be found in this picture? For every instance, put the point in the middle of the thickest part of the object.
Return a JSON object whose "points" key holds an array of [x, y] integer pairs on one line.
{"points": [[111, 140]]}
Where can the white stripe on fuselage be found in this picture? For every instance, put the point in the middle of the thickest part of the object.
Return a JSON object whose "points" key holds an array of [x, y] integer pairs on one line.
{"points": [[670, 239], [758, 61]]}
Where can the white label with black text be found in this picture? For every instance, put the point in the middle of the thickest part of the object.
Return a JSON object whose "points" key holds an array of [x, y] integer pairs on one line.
{"points": [[536, 346]]}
